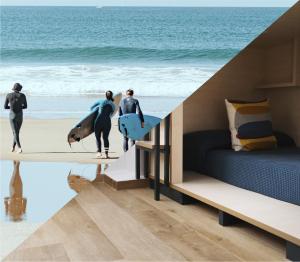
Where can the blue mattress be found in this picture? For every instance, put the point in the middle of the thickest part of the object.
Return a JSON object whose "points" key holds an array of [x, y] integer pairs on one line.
{"points": [[274, 173]]}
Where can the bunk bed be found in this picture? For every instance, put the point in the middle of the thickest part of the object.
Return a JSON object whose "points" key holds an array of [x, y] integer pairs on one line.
{"points": [[274, 173]]}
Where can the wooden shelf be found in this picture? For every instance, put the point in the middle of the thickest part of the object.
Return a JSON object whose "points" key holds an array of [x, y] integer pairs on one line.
{"points": [[277, 217], [147, 145], [277, 85], [282, 65]]}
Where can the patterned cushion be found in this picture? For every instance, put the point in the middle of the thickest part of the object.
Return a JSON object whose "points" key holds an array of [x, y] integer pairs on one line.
{"points": [[250, 125]]}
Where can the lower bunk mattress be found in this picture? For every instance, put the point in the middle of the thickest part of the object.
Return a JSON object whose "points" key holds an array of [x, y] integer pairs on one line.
{"points": [[274, 173]]}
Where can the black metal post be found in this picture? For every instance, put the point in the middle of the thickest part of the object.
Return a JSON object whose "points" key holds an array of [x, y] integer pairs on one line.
{"points": [[147, 137], [146, 164], [137, 163], [292, 251], [157, 163], [226, 219], [146, 158], [167, 152]]}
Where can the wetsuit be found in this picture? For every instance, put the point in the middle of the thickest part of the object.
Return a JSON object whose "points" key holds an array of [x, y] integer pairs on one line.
{"points": [[130, 105], [102, 124], [16, 102]]}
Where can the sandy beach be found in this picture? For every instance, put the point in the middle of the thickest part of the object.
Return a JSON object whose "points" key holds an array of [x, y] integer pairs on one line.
{"points": [[46, 140]]}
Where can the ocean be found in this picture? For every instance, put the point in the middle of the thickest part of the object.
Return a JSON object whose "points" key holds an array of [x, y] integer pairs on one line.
{"points": [[66, 57]]}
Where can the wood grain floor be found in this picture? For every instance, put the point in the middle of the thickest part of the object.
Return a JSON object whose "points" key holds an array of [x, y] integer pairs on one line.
{"points": [[101, 224]]}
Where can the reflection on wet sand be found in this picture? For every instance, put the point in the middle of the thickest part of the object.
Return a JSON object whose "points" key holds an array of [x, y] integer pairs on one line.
{"points": [[15, 204], [77, 182]]}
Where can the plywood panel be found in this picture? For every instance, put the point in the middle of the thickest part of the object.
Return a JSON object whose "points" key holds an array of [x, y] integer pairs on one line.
{"points": [[162, 130], [285, 104], [277, 217], [279, 62], [177, 145], [205, 109], [161, 167], [297, 60]]}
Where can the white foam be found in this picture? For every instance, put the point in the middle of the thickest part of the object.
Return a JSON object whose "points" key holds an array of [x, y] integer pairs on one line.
{"points": [[61, 80]]}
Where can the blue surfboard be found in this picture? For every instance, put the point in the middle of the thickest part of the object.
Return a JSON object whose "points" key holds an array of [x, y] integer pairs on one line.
{"points": [[130, 125]]}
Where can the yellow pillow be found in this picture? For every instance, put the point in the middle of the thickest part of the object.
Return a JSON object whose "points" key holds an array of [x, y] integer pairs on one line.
{"points": [[250, 124]]}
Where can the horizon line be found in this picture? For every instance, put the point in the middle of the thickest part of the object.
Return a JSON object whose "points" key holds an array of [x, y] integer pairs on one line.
{"points": [[154, 6]]}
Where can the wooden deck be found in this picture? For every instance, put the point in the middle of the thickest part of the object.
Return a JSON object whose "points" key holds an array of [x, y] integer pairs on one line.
{"points": [[103, 224], [121, 175]]}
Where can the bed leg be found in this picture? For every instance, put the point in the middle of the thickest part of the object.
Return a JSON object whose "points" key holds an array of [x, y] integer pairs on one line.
{"points": [[292, 251], [174, 194], [226, 219]]}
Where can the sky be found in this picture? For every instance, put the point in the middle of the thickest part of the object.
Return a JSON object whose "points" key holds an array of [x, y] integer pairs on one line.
{"points": [[242, 3]]}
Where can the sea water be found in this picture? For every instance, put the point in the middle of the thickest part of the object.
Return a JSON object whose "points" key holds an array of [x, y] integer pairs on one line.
{"points": [[77, 53]]}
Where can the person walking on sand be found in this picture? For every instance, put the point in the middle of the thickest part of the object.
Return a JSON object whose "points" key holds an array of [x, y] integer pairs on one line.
{"points": [[102, 124], [130, 105], [16, 102]]}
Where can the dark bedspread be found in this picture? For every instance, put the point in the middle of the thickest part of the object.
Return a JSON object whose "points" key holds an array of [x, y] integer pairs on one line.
{"points": [[273, 173]]}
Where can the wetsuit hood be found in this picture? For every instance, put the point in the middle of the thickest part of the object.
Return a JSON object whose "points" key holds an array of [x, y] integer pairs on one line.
{"points": [[17, 87]]}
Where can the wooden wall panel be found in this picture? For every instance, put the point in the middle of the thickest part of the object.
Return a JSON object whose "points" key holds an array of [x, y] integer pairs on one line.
{"points": [[285, 103], [279, 63], [161, 167], [297, 60], [162, 130], [177, 145], [205, 109]]}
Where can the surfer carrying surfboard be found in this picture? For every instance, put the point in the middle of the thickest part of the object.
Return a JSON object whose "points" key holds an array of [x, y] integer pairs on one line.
{"points": [[102, 124], [130, 105]]}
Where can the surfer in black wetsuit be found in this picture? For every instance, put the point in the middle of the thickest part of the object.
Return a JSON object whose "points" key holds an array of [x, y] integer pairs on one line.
{"points": [[130, 105], [16, 102], [103, 121]]}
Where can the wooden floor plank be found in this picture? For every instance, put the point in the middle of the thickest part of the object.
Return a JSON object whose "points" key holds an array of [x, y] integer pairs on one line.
{"points": [[104, 224], [80, 236], [133, 240], [177, 234], [240, 239], [55, 252], [84, 240], [42, 236]]}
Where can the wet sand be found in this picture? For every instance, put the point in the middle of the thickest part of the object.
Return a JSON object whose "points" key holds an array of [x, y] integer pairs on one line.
{"points": [[13, 234], [46, 140]]}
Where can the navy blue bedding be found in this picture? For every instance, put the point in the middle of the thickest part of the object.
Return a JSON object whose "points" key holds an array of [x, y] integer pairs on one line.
{"points": [[274, 173]]}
